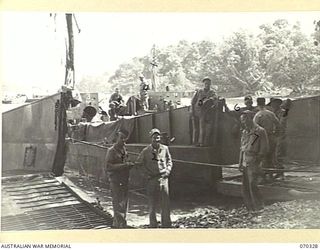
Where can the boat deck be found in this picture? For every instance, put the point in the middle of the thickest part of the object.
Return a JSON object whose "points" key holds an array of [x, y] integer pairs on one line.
{"points": [[44, 202]]}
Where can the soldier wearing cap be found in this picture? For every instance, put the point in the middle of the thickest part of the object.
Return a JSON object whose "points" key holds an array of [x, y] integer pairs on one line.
{"points": [[249, 104], [144, 87], [115, 102], [254, 147], [280, 109], [198, 112], [117, 168], [268, 120], [157, 164], [116, 97]]}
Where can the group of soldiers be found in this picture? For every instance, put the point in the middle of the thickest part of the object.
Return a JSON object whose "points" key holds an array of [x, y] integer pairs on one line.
{"points": [[263, 132], [262, 153], [263, 146], [117, 107], [155, 163]]}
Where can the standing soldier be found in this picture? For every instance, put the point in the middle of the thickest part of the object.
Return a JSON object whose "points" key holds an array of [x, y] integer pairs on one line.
{"points": [[236, 115], [254, 147], [117, 167], [198, 113], [157, 165], [144, 87], [249, 104], [280, 109], [268, 120]]}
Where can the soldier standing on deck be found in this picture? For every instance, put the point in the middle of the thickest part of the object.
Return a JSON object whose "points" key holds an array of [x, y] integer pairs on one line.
{"points": [[117, 167], [157, 165], [268, 120], [254, 147], [198, 113], [144, 87]]}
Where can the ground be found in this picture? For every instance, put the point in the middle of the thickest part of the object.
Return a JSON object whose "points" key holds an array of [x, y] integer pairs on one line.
{"points": [[209, 212]]}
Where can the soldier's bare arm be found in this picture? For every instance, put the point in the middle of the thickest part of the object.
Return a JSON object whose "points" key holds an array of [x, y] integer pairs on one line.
{"points": [[241, 161], [276, 123], [264, 143], [169, 160]]}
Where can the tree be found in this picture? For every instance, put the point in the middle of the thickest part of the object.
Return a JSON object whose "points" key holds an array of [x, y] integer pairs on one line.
{"points": [[281, 55], [94, 84], [127, 76], [239, 62], [287, 55]]}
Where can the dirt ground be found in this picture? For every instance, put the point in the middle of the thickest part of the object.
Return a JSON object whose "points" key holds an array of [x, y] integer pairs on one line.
{"points": [[209, 212]]}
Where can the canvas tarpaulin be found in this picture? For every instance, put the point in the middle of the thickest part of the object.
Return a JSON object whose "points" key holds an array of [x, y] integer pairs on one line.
{"points": [[96, 132]]}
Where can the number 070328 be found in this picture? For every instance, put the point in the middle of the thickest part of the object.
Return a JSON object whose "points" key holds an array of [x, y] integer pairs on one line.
{"points": [[309, 246]]}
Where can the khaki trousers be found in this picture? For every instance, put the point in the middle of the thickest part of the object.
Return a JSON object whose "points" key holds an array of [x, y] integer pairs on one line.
{"points": [[119, 194], [251, 194], [158, 192]]}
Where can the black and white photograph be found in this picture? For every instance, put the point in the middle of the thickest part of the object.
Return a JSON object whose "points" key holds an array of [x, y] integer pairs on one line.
{"points": [[143, 120]]}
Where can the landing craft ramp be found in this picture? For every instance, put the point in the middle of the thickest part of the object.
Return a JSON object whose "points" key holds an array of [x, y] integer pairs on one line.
{"points": [[33, 152], [44, 202]]}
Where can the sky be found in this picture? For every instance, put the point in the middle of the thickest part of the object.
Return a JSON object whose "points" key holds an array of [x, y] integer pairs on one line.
{"points": [[33, 43]]}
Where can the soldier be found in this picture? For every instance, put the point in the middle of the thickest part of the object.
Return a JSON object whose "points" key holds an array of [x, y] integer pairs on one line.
{"points": [[248, 102], [116, 105], [268, 120], [117, 168], [144, 87], [236, 115], [116, 97], [280, 109], [254, 147], [112, 112], [198, 113], [157, 165]]}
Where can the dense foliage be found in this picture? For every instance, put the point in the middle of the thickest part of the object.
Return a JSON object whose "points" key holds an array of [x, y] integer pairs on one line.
{"points": [[280, 57]]}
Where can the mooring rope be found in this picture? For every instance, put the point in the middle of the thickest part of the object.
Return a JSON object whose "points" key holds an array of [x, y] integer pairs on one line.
{"points": [[232, 166]]}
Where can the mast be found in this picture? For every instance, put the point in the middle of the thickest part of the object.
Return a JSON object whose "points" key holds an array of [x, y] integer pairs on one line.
{"points": [[70, 74], [154, 66]]}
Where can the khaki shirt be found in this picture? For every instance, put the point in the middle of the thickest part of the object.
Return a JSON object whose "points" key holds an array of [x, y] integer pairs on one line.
{"points": [[268, 120], [116, 156], [144, 90], [254, 143], [199, 98], [154, 161], [282, 117], [115, 98]]}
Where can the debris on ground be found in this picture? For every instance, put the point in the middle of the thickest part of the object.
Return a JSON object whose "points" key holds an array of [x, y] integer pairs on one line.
{"points": [[302, 214]]}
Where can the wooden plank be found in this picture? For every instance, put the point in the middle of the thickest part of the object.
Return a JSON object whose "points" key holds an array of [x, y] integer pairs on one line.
{"points": [[45, 198], [30, 196], [34, 187], [29, 183], [39, 204], [25, 177]]}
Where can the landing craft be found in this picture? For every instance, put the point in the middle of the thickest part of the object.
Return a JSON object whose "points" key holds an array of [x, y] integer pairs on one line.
{"points": [[36, 195]]}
